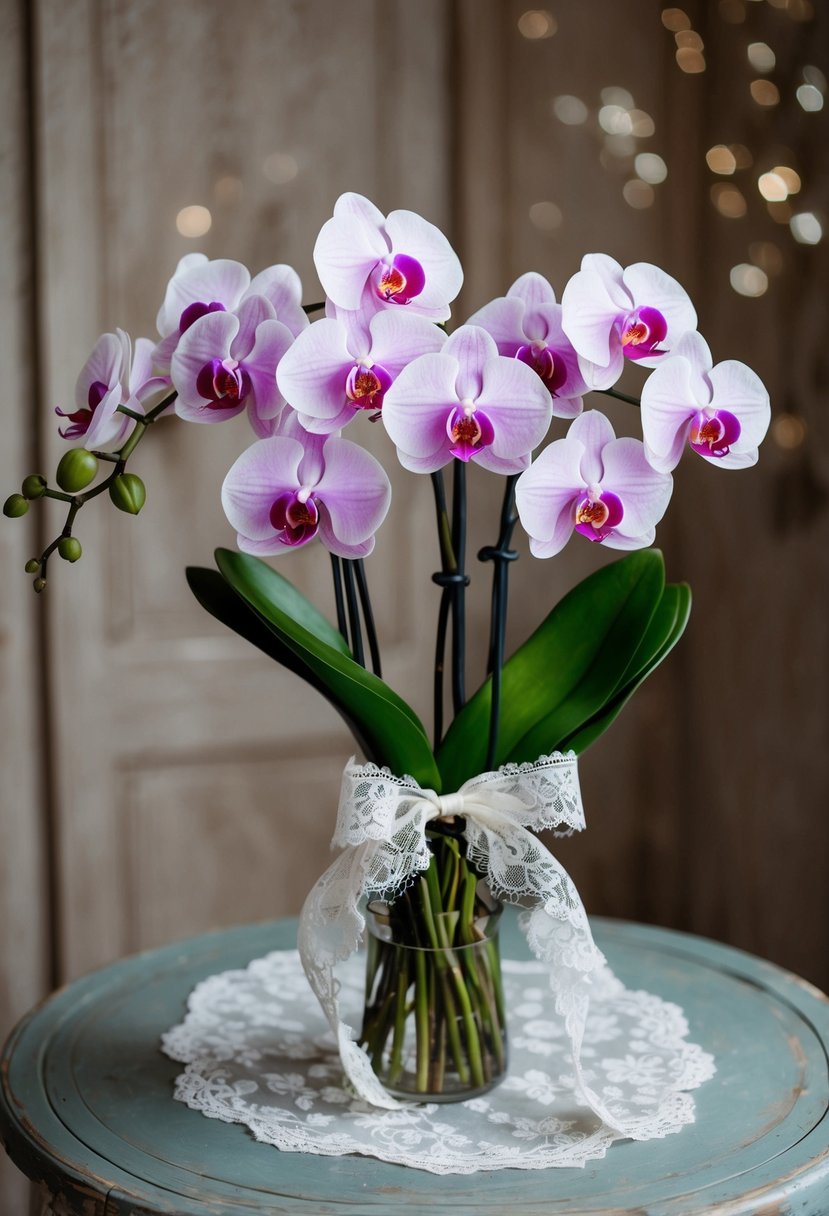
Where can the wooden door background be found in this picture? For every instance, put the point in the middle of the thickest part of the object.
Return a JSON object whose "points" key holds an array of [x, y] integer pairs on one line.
{"points": [[159, 779]]}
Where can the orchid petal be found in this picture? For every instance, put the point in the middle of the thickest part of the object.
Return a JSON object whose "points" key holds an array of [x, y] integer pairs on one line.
{"points": [[546, 494], [644, 492], [357, 206], [593, 431], [281, 285], [273, 339], [103, 366], [668, 405], [518, 404], [589, 312], [326, 426], [251, 313], [398, 337], [265, 470], [141, 371], [334, 545], [208, 338], [533, 289], [410, 234], [346, 251], [416, 407], [618, 540], [204, 281], [612, 276], [735, 387], [503, 321], [106, 427], [471, 346], [312, 374], [354, 489], [649, 286]]}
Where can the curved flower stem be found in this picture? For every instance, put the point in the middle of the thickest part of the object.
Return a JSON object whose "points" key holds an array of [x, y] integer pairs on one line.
{"points": [[117, 459], [353, 613], [339, 602], [368, 616], [501, 556], [612, 392]]}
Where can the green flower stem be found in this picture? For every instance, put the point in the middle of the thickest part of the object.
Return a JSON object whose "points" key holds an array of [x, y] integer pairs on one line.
{"points": [[396, 1061], [612, 392], [117, 459], [422, 1022], [448, 573]]}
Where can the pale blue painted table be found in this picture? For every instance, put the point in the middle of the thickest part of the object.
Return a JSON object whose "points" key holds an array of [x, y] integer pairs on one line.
{"points": [[86, 1108]]}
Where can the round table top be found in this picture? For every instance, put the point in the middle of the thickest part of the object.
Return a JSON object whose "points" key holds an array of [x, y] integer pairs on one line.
{"points": [[86, 1103]]}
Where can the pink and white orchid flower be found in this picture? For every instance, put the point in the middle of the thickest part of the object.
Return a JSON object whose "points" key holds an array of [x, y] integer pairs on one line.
{"points": [[610, 314], [723, 412], [113, 375], [367, 261], [346, 363], [200, 286], [226, 361], [469, 402], [287, 489], [595, 484], [526, 325]]}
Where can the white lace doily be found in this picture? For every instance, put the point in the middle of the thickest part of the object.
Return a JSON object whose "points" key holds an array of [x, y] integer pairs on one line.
{"points": [[259, 1051]]}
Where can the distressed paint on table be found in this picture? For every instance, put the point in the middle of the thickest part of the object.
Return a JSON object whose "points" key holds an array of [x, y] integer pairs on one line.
{"points": [[86, 1107]]}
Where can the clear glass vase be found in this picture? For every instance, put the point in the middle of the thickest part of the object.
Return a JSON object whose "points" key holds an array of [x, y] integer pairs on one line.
{"points": [[433, 1022]]}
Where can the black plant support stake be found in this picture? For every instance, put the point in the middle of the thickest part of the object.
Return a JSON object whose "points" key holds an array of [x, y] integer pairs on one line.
{"points": [[353, 613], [501, 556], [368, 616], [339, 602], [447, 578]]}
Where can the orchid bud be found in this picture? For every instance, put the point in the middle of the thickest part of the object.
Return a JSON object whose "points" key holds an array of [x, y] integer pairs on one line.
{"points": [[69, 548], [15, 506], [77, 468], [32, 566], [33, 486], [39, 585], [127, 493]]}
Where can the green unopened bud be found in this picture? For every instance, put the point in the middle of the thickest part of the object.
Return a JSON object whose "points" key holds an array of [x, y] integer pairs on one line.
{"points": [[39, 585], [15, 506], [32, 566], [77, 468], [69, 548], [33, 486], [128, 493]]}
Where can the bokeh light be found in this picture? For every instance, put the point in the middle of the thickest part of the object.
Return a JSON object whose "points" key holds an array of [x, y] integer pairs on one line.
{"points": [[537, 23], [806, 228], [650, 167], [194, 221], [570, 110], [729, 201], [748, 280], [545, 216]]}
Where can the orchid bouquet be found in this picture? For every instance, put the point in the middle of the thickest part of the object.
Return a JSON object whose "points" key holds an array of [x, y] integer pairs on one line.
{"points": [[487, 395]]}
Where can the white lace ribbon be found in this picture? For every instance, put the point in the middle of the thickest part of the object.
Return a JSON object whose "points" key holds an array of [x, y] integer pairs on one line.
{"points": [[381, 827]]}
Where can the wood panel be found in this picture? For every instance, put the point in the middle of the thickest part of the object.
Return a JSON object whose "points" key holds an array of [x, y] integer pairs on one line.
{"points": [[149, 107], [24, 893], [706, 802]]}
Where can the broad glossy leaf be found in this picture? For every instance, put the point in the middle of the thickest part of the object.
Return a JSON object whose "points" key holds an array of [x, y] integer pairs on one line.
{"points": [[668, 623], [218, 598], [393, 734], [564, 673]]}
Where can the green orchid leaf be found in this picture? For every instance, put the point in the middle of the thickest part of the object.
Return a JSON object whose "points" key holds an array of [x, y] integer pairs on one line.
{"points": [[217, 598], [564, 673], [669, 623], [392, 732]]}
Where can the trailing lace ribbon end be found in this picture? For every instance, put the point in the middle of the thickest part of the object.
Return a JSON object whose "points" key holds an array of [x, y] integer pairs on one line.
{"points": [[381, 828]]}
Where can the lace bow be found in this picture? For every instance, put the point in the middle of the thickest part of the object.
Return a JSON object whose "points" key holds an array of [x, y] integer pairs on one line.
{"points": [[381, 827]]}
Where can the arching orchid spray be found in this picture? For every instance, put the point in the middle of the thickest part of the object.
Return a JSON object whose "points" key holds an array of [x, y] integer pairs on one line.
{"points": [[504, 391]]}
